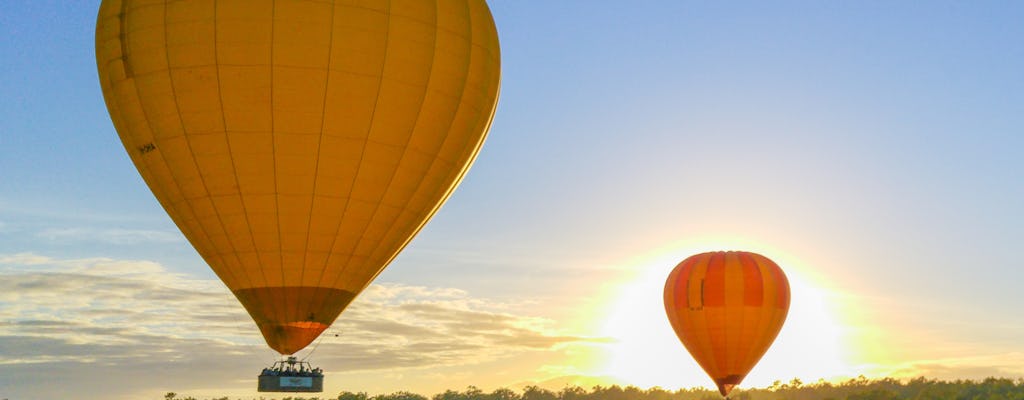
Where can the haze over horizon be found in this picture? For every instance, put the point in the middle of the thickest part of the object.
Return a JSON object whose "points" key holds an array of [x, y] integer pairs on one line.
{"points": [[873, 150]]}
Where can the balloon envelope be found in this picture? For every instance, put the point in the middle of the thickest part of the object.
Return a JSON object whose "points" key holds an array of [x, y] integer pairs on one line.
{"points": [[299, 145], [727, 308]]}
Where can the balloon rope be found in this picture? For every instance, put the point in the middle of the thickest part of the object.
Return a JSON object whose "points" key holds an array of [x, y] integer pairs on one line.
{"points": [[314, 347]]}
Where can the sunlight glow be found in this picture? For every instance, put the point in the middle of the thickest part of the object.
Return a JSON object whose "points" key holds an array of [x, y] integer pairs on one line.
{"points": [[644, 350]]}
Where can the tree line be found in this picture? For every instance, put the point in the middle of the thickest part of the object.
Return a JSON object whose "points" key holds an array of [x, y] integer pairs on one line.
{"points": [[859, 388]]}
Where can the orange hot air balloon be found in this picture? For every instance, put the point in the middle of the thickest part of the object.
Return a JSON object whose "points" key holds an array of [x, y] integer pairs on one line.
{"points": [[299, 145], [727, 307]]}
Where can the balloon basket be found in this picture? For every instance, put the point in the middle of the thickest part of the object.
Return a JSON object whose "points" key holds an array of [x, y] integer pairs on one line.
{"points": [[291, 375]]}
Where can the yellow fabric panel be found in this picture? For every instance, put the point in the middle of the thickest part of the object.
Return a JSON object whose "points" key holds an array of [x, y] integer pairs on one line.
{"points": [[735, 340], [754, 319], [299, 144], [694, 319], [692, 322], [775, 287]]}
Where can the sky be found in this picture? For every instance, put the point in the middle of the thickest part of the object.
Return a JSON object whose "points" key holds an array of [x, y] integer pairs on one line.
{"points": [[875, 150]]}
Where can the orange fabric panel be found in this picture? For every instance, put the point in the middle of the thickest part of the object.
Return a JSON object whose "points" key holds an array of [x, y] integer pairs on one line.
{"points": [[714, 282], [299, 144], [753, 292], [744, 301], [290, 326]]}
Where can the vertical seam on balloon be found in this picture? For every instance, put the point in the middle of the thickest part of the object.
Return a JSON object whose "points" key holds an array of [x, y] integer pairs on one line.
{"points": [[705, 310], [497, 89], [762, 345], [282, 305], [231, 156], [732, 362], [723, 317], [138, 96], [747, 359], [263, 267], [316, 165], [123, 22], [486, 128], [741, 352], [188, 143], [359, 165], [726, 313], [489, 119], [455, 182], [724, 266], [123, 37], [759, 326], [747, 258], [703, 313], [393, 226]]}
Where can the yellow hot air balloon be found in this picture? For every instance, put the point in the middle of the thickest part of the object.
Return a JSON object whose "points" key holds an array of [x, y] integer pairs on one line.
{"points": [[727, 307], [299, 145]]}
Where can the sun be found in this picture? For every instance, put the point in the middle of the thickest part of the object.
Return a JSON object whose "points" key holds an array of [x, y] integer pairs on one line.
{"points": [[643, 350]]}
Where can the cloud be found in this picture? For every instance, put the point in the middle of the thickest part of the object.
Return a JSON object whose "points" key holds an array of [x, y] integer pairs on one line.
{"points": [[23, 259], [82, 322], [110, 236], [1009, 364]]}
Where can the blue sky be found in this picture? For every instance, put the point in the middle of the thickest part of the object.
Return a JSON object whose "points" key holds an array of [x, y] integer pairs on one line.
{"points": [[876, 147]]}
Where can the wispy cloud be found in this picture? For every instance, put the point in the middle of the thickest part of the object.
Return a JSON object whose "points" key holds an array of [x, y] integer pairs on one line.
{"points": [[110, 236], [401, 326], [78, 320], [979, 366]]}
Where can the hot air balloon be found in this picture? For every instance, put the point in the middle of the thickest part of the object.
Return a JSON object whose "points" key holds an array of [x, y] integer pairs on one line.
{"points": [[299, 145], [727, 307]]}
